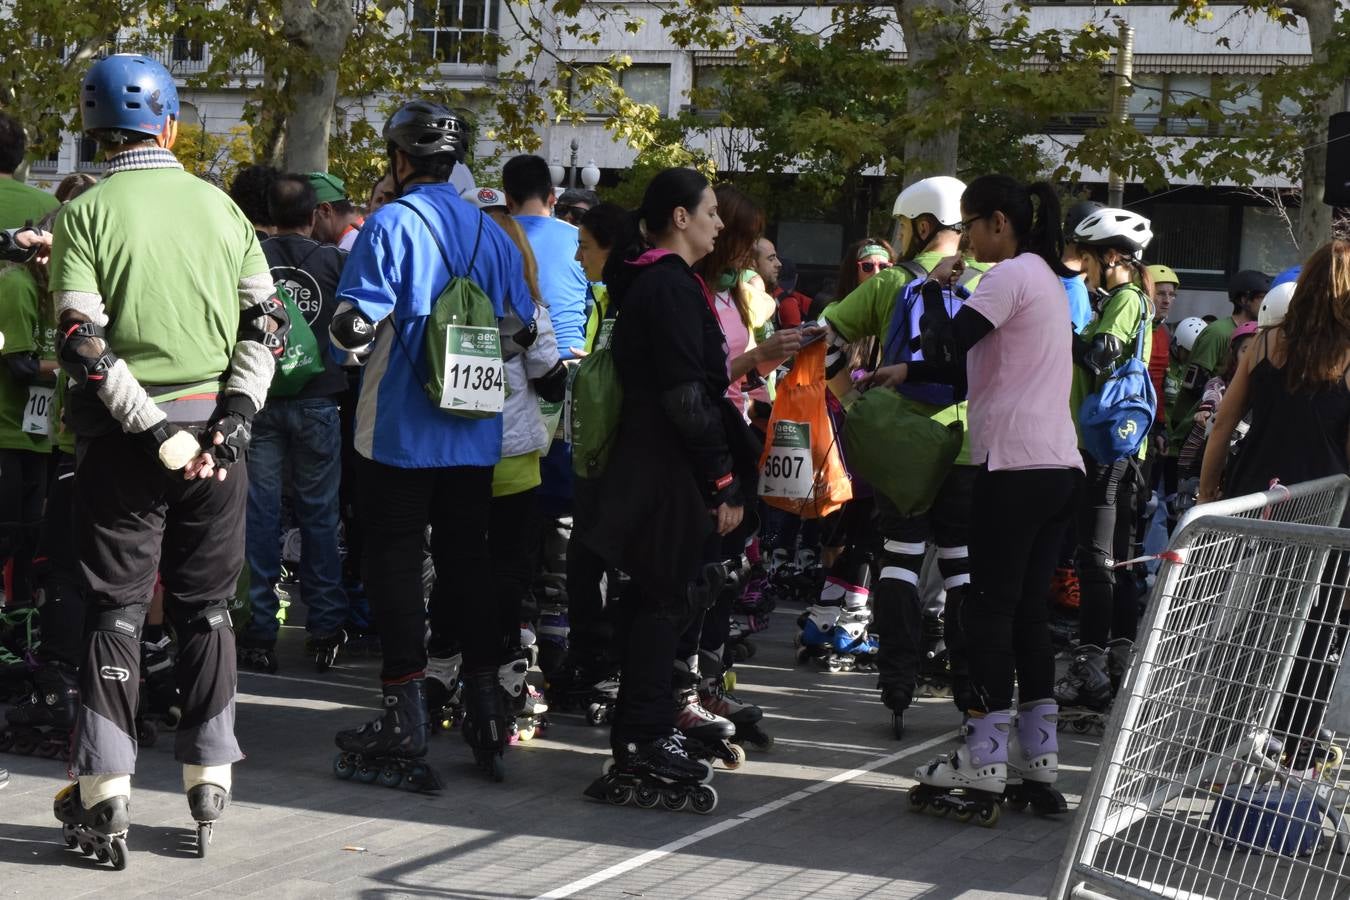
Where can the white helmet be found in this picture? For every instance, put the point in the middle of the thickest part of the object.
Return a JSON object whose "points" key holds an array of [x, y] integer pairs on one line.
{"points": [[1187, 331], [1119, 229], [1276, 304], [939, 197]]}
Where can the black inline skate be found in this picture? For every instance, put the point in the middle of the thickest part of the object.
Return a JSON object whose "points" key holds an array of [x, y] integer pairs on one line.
{"points": [[589, 690], [656, 773], [934, 670], [707, 736], [163, 702], [42, 724], [718, 700], [389, 750], [17, 646], [487, 721], [324, 648], [100, 831]]}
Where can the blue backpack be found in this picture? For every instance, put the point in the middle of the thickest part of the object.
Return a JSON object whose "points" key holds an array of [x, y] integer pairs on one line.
{"points": [[904, 334], [1116, 419]]}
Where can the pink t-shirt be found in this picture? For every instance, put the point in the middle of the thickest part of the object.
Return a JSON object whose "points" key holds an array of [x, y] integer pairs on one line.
{"points": [[1020, 373], [737, 338]]}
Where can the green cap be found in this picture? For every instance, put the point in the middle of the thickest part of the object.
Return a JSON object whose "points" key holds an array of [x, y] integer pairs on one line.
{"points": [[329, 188]]}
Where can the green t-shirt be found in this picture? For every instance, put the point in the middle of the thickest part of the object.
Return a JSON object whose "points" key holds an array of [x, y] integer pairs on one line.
{"points": [[24, 408], [20, 204], [1121, 316], [166, 251], [597, 312], [867, 313], [1210, 353], [516, 474]]}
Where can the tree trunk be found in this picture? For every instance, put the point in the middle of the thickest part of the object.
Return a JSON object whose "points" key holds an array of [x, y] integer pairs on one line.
{"points": [[1314, 221], [927, 155], [319, 30]]}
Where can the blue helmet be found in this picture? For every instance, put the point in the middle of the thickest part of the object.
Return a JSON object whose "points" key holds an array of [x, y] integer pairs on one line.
{"points": [[129, 92]]}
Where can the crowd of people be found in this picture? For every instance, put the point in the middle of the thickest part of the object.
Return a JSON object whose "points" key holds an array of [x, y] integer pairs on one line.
{"points": [[516, 430]]}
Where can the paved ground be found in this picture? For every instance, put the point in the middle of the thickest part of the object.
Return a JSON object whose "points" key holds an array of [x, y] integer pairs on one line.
{"points": [[822, 815]]}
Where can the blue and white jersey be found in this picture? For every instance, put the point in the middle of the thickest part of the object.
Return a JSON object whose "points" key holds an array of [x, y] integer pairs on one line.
{"points": [[393, 276]]}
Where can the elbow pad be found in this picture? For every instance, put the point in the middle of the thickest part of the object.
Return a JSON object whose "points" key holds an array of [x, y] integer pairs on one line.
{"points": [[10, 251], [266, 323], [552, 385], [1102, 354], [516, 337], [352, 333], [84, 354]]}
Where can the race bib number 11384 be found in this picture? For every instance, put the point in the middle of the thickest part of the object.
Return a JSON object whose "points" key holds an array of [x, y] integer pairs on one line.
{"points": [[474, 377]]}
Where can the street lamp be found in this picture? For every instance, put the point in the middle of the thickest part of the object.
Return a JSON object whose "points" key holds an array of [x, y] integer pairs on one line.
{"points": [[590, 175]]}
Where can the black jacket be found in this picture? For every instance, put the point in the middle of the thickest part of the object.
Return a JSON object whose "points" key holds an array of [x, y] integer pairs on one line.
{"points": [[652, 504]]}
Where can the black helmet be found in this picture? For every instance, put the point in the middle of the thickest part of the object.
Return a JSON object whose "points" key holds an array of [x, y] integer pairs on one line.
{"points": [[1248, 282], [421, 128], [1076, 214]]}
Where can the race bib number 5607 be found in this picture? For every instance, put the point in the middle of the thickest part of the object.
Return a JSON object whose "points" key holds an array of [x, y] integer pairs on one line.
{"points": [[787, 469], [474, 377]]}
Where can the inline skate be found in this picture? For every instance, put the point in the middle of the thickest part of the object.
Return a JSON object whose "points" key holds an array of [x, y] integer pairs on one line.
{"points": [[1119, 655], [42, 723], [707, 736], [324, 648], [552, 634], [445, 696], [163, 702], [1033, 760], [257, 659], [526, 703], [208, 793], [389, 750], [1084, 693], [656, 773], [587, 689], [934, 673], [717, 698], [971, 780], [487, 721], [755, 602], [17, 648], [99, 830]]}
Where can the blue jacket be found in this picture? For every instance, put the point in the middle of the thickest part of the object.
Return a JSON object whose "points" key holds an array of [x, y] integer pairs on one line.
{"points": [[393, 276]]}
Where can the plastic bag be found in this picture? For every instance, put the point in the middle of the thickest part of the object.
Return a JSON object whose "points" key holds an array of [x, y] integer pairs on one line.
{"points": [[801, 470]]}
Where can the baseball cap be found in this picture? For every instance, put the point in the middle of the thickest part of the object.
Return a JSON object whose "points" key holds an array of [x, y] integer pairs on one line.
{"points": [[328, 188], [484, 197]]}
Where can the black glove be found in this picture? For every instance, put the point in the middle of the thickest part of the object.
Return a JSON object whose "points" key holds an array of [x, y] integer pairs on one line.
{"points": [[168, 443], [233, 421]]}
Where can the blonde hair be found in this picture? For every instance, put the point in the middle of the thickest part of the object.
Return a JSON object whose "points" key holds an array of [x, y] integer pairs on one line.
{"points": [[517, 234]]}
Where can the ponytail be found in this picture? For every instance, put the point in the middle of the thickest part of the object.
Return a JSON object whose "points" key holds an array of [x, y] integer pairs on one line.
{"points": [[1031, 210], [628, 245]]}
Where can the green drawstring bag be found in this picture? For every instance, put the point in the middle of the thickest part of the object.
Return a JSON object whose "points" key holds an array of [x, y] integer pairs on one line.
{"points": [[902, 453], [301, 361], [594, 397]]}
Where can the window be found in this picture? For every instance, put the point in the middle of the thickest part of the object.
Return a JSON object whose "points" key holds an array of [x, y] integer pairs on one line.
{"points": [[1157, 98], [453, 31], [1266, 243], [811, 243], [643, 83], [88, 154], [1191, 238], [1145, 106], [187, 50]]}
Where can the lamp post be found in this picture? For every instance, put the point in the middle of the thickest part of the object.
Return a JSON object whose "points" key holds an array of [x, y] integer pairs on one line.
{"points": [[572, 169]]}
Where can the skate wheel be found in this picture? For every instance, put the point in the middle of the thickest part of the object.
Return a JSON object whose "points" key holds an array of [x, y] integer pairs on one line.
{"points": [[704, 799], [728, 680], [146, 733], [203, 838], [607, 766], [595, 715], [390, 777], [964, 815], [741, 652], [342, 766], [917, 803], [802, 655], [1335, 756], [988, 815], [748, 648], [51, 751], [674, 799], [1017, 804], [898, 725], [25, 743], [86, 846], [102, 854], [646, 796], [737, 757], [117, 853], [619, 794], [367, 774], [526, 733], [173, 717]]}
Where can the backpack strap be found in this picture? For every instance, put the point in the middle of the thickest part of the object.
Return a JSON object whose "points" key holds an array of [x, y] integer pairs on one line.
{"points": [[445, 257]]}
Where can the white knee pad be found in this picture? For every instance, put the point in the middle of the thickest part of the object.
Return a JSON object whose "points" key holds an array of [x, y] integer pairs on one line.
{"points": [[94, 789], [194, 775]]}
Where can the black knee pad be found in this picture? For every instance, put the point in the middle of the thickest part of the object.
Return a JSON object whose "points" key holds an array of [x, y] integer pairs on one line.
{"points": [[117, 621], [212, 617]]}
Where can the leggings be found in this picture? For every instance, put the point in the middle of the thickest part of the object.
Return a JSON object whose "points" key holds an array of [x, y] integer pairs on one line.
{"points": [[1018, 519]]}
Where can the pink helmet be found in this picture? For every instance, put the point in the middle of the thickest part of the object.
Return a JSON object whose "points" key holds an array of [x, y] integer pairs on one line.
{"points": [[1246, 329]]}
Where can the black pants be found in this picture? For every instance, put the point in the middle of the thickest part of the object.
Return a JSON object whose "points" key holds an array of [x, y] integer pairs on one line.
{"points": [[1303, 706], [513, 542], [23, 487], [591, 638], [1017, 524], [57, 567], [1106, 516], [134, 519], [647, 625], [896, 605], [397, 505]]}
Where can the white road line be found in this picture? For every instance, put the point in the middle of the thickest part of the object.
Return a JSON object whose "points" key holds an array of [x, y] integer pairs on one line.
{"points": [[717, 828], [372, 688]]}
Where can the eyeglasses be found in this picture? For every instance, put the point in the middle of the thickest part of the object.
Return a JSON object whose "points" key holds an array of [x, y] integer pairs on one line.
{"points": [[964, 225], [869, 267]]}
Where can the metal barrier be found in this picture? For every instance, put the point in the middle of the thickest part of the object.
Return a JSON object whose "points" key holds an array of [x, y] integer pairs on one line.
{"points": [[1219, 776]]}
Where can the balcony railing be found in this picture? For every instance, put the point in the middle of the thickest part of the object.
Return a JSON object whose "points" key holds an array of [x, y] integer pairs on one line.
{"points": [[184, 58]]}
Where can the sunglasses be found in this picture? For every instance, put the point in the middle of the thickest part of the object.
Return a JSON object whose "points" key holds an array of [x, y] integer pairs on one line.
{"points": [[567, 211], [869, 267]]}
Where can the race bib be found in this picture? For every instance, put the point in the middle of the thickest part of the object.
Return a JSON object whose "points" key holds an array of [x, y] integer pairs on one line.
{"points": [[553, 414], [787, 468], [474, 377], [36, 418]]}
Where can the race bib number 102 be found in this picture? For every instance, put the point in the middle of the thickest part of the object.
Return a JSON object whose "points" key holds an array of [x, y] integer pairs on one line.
{"points": [[37, 409], [787, 469], [474, 377]]}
